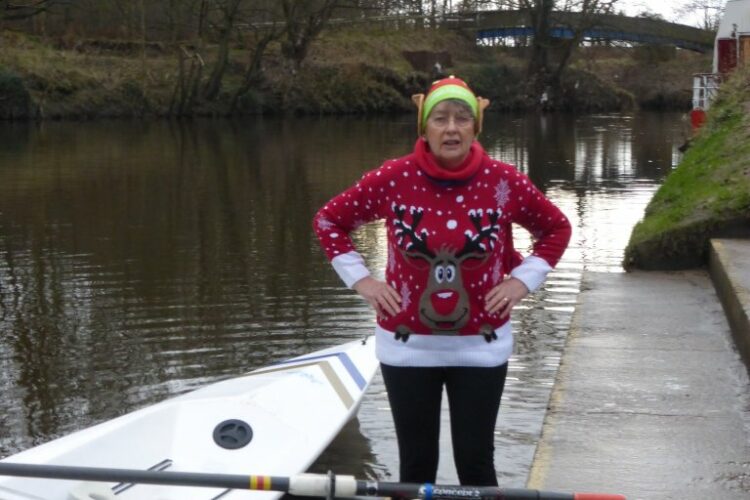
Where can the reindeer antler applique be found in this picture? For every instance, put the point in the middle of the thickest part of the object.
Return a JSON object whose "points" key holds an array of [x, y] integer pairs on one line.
{"points": [[475, 246], [417, 246]]}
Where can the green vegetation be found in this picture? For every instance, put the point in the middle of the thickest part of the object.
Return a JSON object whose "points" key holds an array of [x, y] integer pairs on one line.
{"points": [[347, 70], [707, 195], [15, 101]]}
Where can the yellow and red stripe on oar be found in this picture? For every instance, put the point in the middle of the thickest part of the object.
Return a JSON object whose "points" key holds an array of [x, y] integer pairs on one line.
{"points": [[260, 483]]}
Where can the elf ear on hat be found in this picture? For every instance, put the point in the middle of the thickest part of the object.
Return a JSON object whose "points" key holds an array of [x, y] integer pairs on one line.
{"points": [[449, 88]]}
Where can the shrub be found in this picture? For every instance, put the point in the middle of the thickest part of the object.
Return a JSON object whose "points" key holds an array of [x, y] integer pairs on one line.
{"points": [[15, 101]]}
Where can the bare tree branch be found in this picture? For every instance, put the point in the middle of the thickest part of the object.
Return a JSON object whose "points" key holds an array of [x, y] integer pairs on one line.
{"points": [[709, 10], [304, 20]]}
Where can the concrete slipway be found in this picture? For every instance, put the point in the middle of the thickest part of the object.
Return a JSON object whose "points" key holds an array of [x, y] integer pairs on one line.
{"points": [[652, 399]]}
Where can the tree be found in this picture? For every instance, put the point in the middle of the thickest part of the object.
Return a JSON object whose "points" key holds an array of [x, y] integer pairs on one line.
{"points": [[544, 74], [228, 11], [588, 11], [539, 13], [188, 82], [304, 20], [709, 10], [178, 20], [258, 41]]}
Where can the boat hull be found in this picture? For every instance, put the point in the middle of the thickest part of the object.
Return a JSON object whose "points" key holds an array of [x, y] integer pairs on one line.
{"points": [[293, 409]]}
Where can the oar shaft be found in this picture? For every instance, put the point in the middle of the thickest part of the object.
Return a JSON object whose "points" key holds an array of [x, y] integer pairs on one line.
{"points": [[129, 476], [313, 485]]}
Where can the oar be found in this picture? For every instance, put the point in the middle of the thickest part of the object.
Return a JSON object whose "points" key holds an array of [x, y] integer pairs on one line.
{"points": [[308, 485]]}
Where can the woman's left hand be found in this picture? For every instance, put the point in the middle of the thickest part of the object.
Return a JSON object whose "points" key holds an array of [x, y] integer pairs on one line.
{"points": [[504, 296]]}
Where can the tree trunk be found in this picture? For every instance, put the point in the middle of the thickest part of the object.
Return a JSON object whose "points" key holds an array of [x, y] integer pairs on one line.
{"points": [[172, 21], [539, 12], [213, 86], [187, 85], [202, 14], [254, 71], [302, 26], [555, 79], [143, 43]]}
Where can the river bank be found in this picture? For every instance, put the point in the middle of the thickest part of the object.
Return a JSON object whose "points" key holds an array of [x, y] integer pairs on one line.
{"points": [[368, 70], [707, 195]]}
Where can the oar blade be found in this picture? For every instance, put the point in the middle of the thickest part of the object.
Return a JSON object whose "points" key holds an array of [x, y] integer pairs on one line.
{"points": [[597, 496]]}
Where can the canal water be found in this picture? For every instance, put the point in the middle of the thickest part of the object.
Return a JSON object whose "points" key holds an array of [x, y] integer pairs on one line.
{"points": [[142, 260]]}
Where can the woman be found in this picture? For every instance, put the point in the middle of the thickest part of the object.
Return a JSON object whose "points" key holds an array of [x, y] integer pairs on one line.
{"points": [[444, 307]]}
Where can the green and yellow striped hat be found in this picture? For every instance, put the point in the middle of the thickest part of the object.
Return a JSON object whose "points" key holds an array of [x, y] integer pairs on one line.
{"points": [[448, 88]]}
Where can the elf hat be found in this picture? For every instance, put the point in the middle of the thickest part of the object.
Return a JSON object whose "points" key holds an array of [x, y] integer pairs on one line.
{"points": [[449, 88]]}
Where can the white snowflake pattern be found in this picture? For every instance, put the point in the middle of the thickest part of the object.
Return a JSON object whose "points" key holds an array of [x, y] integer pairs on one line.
{"points": [[391, 260], [405, 297], [324, 224], [496, 272], [502, 193]]}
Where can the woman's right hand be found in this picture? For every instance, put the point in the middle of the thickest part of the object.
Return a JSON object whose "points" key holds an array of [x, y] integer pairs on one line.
{"points": [[380, 295]]}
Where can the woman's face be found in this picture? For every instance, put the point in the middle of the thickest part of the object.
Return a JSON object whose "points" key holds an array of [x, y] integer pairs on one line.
{"points": [[449, 130]]}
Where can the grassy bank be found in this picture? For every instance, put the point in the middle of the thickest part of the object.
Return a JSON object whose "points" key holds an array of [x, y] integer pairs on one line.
{"points": [[347, 71], [707, 195]]}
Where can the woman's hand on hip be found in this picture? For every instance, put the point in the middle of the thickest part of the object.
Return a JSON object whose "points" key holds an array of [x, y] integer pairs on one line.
{"points": [[504, 296], [380, 295]]}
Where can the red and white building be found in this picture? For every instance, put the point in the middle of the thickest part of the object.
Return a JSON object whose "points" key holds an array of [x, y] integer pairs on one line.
{"points": [[731, 49]]}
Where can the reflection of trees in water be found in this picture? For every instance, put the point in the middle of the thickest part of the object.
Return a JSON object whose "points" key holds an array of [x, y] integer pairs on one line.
{"points": [[15, 137], [30, 326], [585, 151], [60, 356], [350, 453], [141, 261]]}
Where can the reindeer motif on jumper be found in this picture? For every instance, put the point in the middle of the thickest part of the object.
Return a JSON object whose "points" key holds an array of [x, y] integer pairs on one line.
{"points": [[444, 305]]}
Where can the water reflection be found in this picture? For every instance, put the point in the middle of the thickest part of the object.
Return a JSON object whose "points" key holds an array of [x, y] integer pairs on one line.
{"points": [[140, 260]]}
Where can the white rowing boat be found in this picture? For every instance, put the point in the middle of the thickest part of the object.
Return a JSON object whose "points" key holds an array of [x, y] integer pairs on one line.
{"points": [[275, 421]]}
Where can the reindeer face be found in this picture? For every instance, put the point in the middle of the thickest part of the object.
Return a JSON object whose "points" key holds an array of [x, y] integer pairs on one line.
{"points": [[444, 305]]}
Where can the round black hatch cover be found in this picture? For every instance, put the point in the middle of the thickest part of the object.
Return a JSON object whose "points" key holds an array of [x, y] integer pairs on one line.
{"points": [[233, 434]]}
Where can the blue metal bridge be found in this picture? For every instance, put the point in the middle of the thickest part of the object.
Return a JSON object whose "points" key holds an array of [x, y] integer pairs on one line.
{"points": [[489, 25]]}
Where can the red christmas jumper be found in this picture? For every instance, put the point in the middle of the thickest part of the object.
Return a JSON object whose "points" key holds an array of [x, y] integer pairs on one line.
{"points": [[449, 243]]}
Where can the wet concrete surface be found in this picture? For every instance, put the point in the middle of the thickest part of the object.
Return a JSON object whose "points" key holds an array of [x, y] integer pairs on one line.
{"points": [[652, 399], [729, 266]]}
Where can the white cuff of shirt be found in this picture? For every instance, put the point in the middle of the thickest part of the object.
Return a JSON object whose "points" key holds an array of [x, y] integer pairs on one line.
{"points": [[350, 267], [532, 272]]}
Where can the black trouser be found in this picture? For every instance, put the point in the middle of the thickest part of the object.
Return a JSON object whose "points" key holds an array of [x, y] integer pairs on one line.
{"points": [[474, 399]]}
